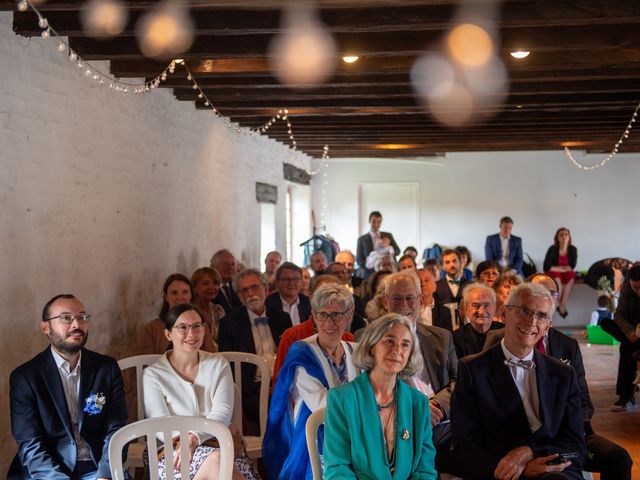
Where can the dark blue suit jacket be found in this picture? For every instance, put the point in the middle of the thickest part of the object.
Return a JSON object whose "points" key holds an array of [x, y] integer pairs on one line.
{"points": [[488, 418], [274, 304], [493, 250], [40, 420]]}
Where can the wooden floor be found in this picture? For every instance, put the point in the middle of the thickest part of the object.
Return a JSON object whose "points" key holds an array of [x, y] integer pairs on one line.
{"points": [[601, 365]]}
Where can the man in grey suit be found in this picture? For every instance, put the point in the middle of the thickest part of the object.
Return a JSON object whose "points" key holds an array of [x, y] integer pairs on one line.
{"points": [[403, 295], [367, 243]]}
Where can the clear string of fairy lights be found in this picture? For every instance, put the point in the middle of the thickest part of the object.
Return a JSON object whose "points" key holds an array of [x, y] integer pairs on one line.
{"points": [[614, 151], [118, 85], [88, 70]]}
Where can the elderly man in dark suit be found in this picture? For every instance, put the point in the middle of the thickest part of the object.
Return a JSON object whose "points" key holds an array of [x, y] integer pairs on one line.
{"points": [[402, 295], [433, 311], [66, 402], [224, 263], [367, 243], [531, 419], [252, 328], [479, 307], [504, 247]]}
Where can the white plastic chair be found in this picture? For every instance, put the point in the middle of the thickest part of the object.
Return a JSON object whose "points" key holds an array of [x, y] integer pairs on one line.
{"points": [[311, 432], [236, 359], [134, 458], [150, 427]]}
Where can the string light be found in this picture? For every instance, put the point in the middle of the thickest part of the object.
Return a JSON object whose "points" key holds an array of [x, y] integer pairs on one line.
{"points": [[117, 85], [88, 70], [614, 150]]}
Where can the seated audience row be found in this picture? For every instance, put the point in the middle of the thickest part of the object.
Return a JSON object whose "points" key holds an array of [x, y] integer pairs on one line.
{"points": [[422, 430]]}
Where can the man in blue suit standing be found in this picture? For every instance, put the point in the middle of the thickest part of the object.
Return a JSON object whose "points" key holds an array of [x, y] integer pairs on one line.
{"points": [[66, 402], [504, 247]]}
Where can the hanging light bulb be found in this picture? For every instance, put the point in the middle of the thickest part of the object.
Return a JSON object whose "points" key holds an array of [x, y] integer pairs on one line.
{"points": [[104, 18], [166, 31], [304, 52]]}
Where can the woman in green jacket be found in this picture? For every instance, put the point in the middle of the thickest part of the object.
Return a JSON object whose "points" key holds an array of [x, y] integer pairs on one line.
{"points": [[377, 427]]}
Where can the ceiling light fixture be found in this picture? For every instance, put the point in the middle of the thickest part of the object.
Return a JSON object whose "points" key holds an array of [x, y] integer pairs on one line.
{"points": [[520, 54], [350, 58]]}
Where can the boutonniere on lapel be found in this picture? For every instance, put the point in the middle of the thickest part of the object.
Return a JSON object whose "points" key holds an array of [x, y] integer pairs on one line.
{"points": [[566, 361], [94, 403], [405, 434]]}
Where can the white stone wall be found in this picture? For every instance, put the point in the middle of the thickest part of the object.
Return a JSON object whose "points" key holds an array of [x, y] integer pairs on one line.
{"points": [[463, 196], [104, 195]]}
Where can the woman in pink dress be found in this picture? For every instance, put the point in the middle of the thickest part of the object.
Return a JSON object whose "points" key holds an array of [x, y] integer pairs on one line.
{"points": [[559, 263]]}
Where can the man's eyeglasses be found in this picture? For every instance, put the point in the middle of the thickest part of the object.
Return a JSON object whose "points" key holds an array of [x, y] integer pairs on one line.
{"points": [[183, 328], [398, 299], [251, 288], [67, 318], [525, 312], [335, 317], [290, 279]]}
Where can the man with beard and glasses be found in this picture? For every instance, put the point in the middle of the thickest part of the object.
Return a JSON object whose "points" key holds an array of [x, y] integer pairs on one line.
{"points": [[66, 402], [252, 328]]}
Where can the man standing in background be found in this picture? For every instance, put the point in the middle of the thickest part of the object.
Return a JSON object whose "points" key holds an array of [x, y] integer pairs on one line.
{"points": [[370, 241], [505, 248]]}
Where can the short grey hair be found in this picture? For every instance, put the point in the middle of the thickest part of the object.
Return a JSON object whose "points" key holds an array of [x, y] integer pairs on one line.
{"points": [[409, 276], [332, 292], [216, 256], [478, 286], [533, 289], [247, 272], [373, 333]]}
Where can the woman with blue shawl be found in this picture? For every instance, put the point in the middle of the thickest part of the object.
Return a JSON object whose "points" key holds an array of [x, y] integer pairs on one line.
{"points": [[377, 427], [311, 368]]}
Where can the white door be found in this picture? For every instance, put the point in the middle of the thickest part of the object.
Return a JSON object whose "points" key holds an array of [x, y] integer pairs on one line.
{"points": [[399, 205]]}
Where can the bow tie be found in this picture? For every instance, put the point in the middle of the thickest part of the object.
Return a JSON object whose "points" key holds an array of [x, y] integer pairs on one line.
{"points": [[526, 364], [455, 282], [261, 321]]}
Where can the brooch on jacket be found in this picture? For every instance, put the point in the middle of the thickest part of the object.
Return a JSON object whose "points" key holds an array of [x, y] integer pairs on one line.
{"points": [[405, 434], [94, 403]]}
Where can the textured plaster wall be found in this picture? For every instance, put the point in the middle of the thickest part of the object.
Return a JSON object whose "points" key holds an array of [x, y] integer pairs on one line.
{"points": [[104, 195]]}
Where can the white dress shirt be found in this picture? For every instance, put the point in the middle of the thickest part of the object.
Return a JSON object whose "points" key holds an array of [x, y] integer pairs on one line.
{"points": [[454, 287], [426, 318], [527, 386], [71, 387], [504, 261], [263, 341], [292, 310]]}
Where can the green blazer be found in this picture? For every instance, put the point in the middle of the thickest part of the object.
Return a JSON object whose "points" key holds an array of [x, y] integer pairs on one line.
{"points": [[354, 443]]}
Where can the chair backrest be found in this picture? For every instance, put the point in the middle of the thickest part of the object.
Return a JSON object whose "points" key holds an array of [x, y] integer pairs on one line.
{"points": [[236, 359], [150, 427], [138, 362], [311, 431]]}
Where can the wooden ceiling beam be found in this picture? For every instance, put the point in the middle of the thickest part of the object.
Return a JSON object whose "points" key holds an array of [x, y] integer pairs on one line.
{"points": [[580, 40], [398, 18], [531, 103]]}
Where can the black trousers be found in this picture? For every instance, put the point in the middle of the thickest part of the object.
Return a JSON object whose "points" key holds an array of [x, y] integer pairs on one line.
{"points": [[610, 459], [626, 363]]}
